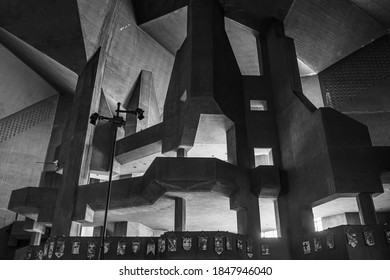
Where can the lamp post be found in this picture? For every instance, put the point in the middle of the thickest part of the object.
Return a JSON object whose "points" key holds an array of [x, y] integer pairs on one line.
{"points": [[117, 121]]}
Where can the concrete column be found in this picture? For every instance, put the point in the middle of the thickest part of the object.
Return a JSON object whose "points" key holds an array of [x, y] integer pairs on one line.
{"points": [[35, 239], [76, 152], [180, 214], [181, 152], [75, 229], [120, 229], [97, 231], [366, 207], [248, 215], [277, 218], [307, 219]]}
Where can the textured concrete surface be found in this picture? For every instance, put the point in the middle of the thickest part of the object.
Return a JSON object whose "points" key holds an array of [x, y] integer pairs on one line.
{"points": [[58, 76], [22, 156], [372, 108], [320, 38], [320, 155], [53, 28], [17, 81]]}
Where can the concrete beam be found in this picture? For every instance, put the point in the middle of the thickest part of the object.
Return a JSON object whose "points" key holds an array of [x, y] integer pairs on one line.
{"points": [[27, 201], [57, 75]]}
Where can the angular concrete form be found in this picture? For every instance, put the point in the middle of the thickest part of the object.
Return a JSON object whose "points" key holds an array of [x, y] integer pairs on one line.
{"points": [[236, 137]]}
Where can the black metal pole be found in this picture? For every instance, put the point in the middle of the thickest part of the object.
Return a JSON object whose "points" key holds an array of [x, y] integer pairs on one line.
{"points": [[101, 252]]}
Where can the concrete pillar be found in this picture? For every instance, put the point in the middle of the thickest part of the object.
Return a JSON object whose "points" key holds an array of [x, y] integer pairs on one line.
{"points": [[97, 231], [76, 152], [231, 145], [35, 239], [181, 152], [132, 229], [248, 214], [180, 214], [75, 229], [277, 218], [366, 207], [307, 219], [120, 229]]}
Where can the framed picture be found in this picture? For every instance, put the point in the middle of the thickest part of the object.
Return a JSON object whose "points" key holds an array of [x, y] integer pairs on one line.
{"points": [[317, 244], [172, 244], [265, 251], [218, 244], [187, 243], [228, 243], [239, 245], [106, 246], [39, 254], [60, 247], [91, 250], [121, 248], [369, 238], [151, 248], [249, 249], [161, 245], [135, 247], [330, 244], [352, 238], [387, 235], [51, 250], [306, 247], [45, 249], [75, 250], [202, 243]]}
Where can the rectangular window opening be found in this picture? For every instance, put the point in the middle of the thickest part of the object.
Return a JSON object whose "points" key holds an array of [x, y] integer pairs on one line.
{"points": [[259, 105]]}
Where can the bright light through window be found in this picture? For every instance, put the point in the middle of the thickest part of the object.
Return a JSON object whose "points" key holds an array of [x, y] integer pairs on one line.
{"points": [[318, 224]]}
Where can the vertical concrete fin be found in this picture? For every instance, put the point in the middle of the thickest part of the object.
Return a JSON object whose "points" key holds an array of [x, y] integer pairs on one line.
{"points": [[144, 97], [104, 106], [93, 16], [77, 151]]}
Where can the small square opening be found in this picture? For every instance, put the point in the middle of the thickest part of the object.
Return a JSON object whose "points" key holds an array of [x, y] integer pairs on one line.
{"points": [[263, 156]]}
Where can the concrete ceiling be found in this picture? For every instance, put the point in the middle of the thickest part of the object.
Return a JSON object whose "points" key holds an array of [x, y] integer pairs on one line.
{"points": [[52, 27], [169, 30], [377, 9], [61, 36], [326, 31], [349, 204]]}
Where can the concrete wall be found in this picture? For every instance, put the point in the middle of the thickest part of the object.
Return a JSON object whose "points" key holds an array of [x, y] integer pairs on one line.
{"points": [[131, 51], [340, 219], [92, 15], [51, 26], [20, 86], [372, 108], [312, 90], [26, 135]]}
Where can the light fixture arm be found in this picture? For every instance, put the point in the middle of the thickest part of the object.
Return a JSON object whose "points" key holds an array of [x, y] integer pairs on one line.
{"points": [[117, 122]]}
